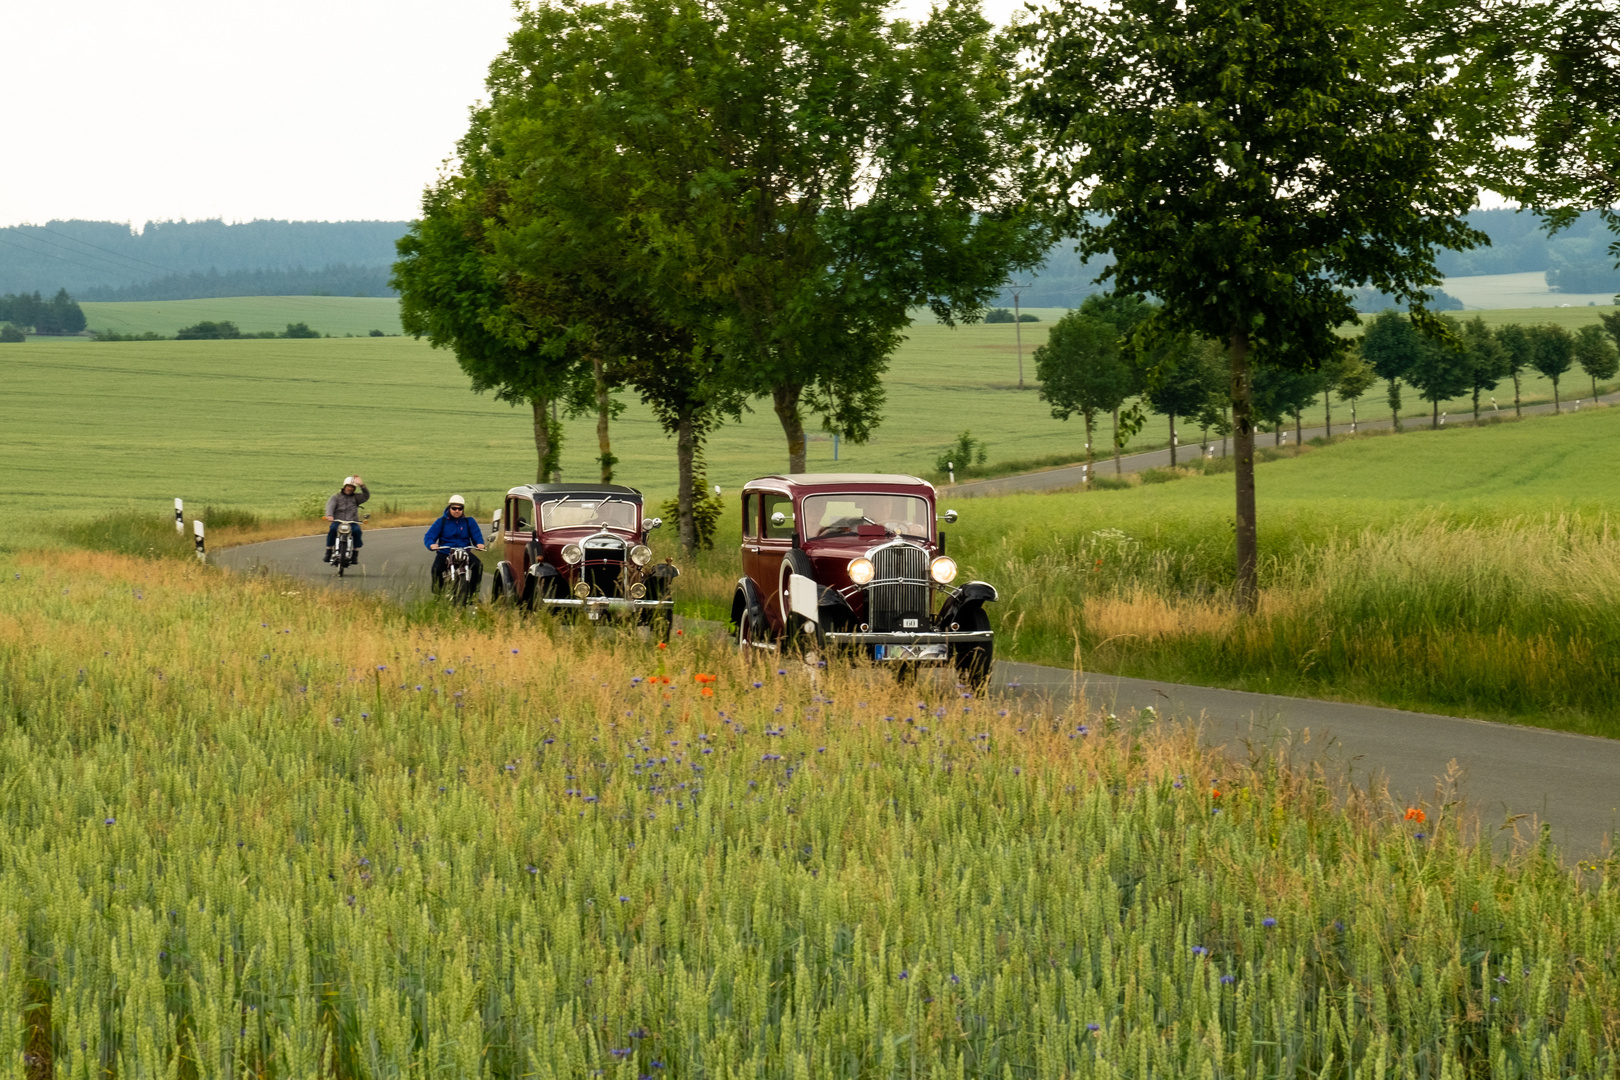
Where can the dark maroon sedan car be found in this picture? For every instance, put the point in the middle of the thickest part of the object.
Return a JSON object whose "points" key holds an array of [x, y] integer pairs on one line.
{"points": [[856, 561], [582, 548]]}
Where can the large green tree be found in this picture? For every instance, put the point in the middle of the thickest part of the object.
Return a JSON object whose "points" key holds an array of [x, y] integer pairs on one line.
{"points": [[1488, 360], [1391, 346], [1520, 345], [452, 294], [1596, 354], [1553, 354], [1442, 369], [1247, 162], [1082, 372], [792, 179]]}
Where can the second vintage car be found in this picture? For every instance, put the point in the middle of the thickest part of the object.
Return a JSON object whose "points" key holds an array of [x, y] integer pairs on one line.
{"points": [[857, 562], [581, 549]]}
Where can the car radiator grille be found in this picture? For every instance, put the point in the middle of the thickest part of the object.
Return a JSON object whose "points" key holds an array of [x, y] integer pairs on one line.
{"points": [[899, 589], [604, 578]]}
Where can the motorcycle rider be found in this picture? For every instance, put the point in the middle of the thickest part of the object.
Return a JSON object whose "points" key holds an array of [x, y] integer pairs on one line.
{"points": [[345, 506], [454, 529]]}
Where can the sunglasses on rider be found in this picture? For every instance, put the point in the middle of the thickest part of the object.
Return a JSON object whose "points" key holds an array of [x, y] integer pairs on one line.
{"points": [[453, 506]]}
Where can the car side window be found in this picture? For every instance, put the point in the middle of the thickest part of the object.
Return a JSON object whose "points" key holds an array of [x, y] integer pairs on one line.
{"points": [[779, 504], [750, 515], [519, 516]]}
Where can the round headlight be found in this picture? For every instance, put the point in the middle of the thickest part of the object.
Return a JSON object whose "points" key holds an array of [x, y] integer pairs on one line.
{"points": [[641, 554], [943, 569], [861, 570], [582, 590], [637, 591], [572, 553]]}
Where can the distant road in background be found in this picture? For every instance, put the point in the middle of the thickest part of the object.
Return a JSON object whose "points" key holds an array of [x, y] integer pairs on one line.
{"points": [[1072, 476]]}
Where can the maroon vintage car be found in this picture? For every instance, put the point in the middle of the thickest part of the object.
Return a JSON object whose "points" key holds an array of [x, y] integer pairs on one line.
{"points": [[575, 548], [856, 561]]}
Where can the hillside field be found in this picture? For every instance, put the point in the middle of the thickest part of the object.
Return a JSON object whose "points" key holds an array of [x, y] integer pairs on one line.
{"points": [[335, 315], [262, 424]]}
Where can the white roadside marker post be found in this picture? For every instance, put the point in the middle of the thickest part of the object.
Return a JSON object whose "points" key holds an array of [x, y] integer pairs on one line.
{"points": [[950, 470], [179, 517], [202, 553]]}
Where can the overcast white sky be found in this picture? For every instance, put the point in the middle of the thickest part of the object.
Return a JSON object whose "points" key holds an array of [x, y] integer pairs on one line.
{"points": [[308, 110]]}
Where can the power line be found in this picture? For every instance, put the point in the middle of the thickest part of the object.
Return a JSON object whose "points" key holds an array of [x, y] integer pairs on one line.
{"points": [[86, 243], [71, 262]]}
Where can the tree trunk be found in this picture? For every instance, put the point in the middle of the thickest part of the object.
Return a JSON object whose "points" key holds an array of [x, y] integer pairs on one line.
{"points": [[685, 454], [603, 414], [1476, 406], [1594, 388], [1088, 418], [1172, 440], [1516, 411], [1248, 555], [1395, 403], [1556, 407], [542, 439], [1299, 431], [785, 399], [1227, 412], [1118, 469], [1434, 420], [1327, 410]]}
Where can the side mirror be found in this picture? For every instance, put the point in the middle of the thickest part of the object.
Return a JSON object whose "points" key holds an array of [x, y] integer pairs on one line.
{"points": [[495, 521], [779, 519], [950, 517], [650, 524]]}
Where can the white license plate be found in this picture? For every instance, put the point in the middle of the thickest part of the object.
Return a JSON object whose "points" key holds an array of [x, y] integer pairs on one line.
{"points": [[908, 624], [908, 652]]}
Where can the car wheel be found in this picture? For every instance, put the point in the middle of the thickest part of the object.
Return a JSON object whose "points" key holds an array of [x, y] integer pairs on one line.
{"points": [[974, 661]]}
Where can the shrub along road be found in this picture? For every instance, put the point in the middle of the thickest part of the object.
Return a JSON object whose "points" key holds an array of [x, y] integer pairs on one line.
{"points": [[1570, 782]]}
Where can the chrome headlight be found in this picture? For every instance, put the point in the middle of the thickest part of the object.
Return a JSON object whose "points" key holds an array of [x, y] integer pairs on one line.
{"points": [[572, 554], [861, 570], [582, 590], [344, 528], [637, 591], [641, 554], [943, 569]]}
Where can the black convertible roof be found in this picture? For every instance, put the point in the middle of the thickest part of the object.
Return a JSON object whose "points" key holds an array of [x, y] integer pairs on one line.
{"points": [[536, 490]]}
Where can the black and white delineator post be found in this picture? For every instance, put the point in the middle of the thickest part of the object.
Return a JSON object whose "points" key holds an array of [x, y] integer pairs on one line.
{"points": [[179, 517], [202, 553]]}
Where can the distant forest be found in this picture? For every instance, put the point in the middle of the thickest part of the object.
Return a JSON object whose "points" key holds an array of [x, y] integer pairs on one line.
{"points": [[185, 260], [104, 260], [1577, 260]]}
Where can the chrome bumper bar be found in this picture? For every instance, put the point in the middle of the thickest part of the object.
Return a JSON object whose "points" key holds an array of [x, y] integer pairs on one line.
{"points": [[909, 637], [611, 603]]}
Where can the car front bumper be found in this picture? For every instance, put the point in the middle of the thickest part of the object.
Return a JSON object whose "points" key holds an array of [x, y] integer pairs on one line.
{"points": [[907, 644], [596, 606]]}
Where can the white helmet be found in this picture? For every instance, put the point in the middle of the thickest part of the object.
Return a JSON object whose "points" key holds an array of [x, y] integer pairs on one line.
{"points": [[351, 480], [457, 500]]}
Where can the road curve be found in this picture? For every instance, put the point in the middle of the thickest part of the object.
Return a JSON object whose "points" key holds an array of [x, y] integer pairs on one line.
{"points": [[1570, 782]]}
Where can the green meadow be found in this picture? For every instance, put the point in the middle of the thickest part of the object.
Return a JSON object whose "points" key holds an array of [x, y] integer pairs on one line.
{"points": [[263, 425], [335, 315]]}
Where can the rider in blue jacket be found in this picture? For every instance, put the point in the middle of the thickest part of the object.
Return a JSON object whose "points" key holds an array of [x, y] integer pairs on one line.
{"points": [[454, 529]]}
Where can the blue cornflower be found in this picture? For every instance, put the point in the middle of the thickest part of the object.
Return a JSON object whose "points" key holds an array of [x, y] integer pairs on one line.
{"points": [[1093, 1027], [111, 821], [1228, 979], [1199, 950], [1268, 923]]}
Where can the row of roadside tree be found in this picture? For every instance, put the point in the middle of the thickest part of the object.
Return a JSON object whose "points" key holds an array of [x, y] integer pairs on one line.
{"points": [[59, 315], [1096, 363], [718, 204]]}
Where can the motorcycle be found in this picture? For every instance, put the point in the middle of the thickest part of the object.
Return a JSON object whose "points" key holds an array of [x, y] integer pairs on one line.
{"points": [[344, 553], [457, 582]]}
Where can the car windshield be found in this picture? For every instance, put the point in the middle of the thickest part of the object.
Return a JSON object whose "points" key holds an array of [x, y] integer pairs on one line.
{"points": [[841, 514], [588, 511]]}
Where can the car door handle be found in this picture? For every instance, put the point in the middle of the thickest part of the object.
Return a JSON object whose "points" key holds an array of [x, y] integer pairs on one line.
{"points": [[754, 549]]}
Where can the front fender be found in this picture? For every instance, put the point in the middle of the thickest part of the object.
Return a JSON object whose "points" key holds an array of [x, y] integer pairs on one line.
{"points": [[748, 599], [974, 594]]}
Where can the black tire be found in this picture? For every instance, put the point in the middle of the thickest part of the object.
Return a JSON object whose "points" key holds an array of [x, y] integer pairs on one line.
{"points": [[749, 633], [500, 593], [461, 590], [975, 661], [793, 638]]}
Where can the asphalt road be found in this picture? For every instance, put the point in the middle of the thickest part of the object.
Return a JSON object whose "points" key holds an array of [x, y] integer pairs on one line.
{"points": [[1570, 782], [1072, 476]]}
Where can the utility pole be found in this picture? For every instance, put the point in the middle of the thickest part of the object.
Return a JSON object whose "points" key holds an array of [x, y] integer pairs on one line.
{"points": [[1018, 328]]}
